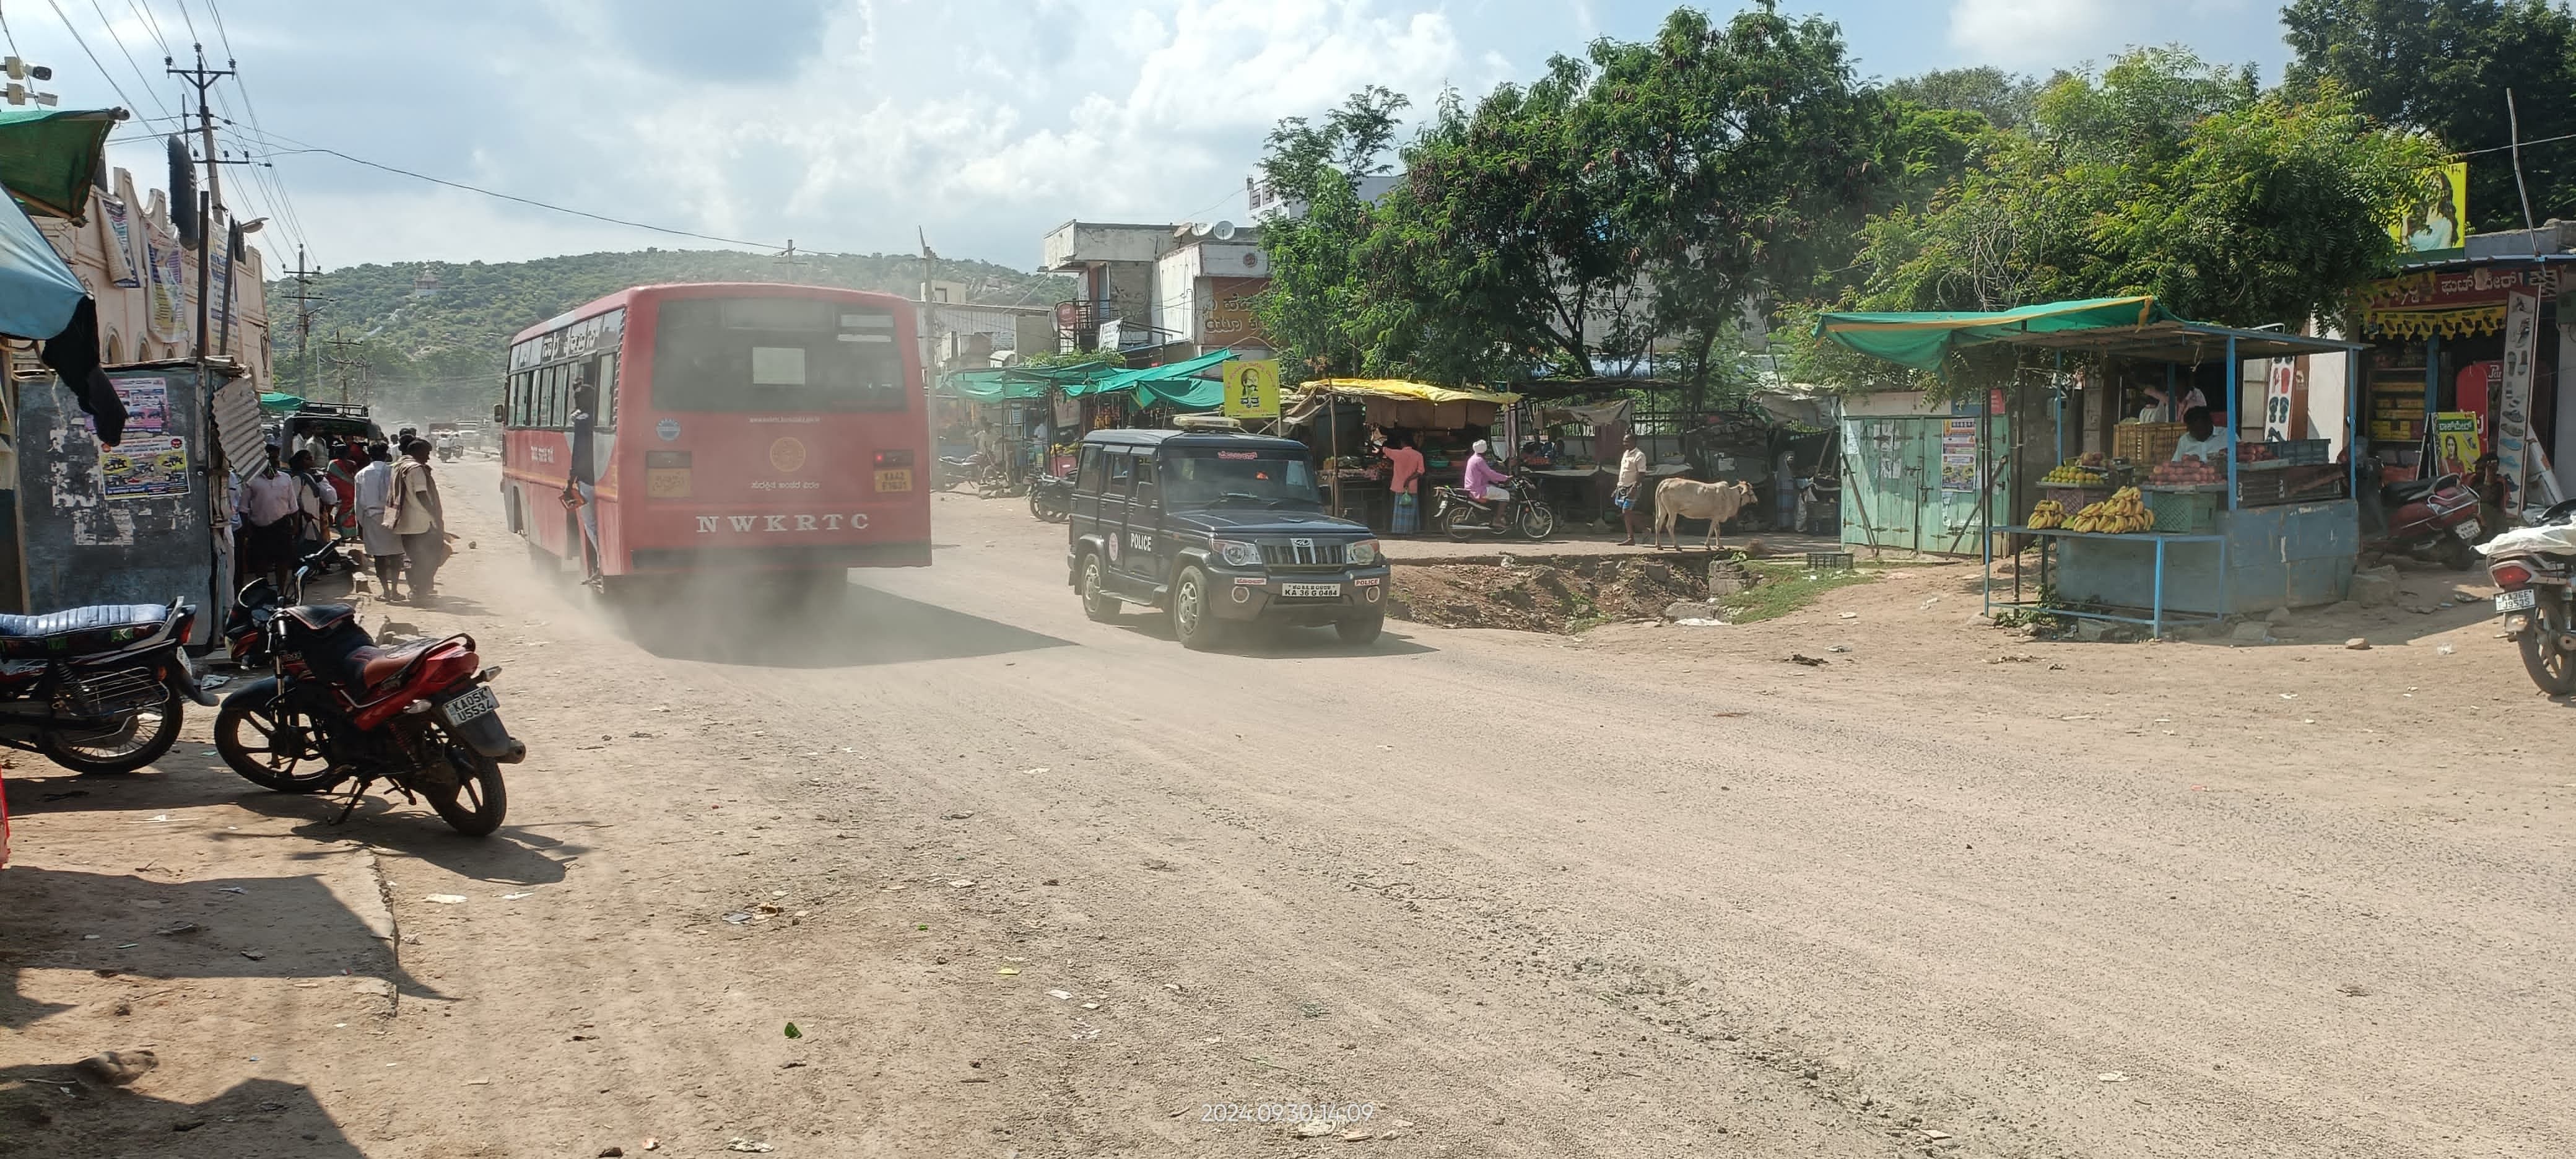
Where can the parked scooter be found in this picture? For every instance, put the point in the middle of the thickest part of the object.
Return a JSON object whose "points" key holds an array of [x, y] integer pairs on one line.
{"points": [[952, 470], [339, 708], [100, 689], [2534, 566], [1465, 516], [2431, 517], [1051, 497]]}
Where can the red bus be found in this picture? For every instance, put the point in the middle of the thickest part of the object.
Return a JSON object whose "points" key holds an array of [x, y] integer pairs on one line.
{"points": [[740, 427]]}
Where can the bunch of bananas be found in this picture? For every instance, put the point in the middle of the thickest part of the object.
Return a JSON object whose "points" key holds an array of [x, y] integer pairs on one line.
{"points": [[2049, 513], [2124, 512]]}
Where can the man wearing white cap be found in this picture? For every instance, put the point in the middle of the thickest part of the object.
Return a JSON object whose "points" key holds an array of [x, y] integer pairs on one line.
{"points": [[1484, 481]]}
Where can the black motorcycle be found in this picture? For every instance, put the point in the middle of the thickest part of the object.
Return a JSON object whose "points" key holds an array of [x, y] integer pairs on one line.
{"points": [[100, 689], [1463, 516], [1051, 497]]}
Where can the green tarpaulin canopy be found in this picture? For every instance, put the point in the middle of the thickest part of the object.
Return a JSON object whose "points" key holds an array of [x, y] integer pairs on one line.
{"points": [[1177, 384], [48, 157], [275, 403], [1922, 340]]}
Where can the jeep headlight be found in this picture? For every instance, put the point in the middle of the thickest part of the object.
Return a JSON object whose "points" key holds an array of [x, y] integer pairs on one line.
{"points": [[1236, 553], [1363, 553]]}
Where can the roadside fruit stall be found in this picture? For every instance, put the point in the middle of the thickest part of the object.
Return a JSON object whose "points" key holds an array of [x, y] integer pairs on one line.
{"points": [[2145, 535]]}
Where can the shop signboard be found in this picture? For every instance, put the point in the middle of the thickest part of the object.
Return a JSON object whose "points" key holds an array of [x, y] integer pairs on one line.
{"points": [[1252, 388], [2513, 406], [1230, 320], [2451, 302], [2455, 433]]}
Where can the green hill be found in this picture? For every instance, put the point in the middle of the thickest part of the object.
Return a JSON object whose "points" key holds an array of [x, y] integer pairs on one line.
{"points": [[439, 354]]}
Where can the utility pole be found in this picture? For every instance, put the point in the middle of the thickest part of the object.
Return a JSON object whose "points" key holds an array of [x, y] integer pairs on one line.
{"points": [[304, 298], [204, 78], [341, 362], [211, 201]]}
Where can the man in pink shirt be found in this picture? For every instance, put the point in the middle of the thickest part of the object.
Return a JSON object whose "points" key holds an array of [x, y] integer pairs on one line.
{"points": [[1485, 482]]}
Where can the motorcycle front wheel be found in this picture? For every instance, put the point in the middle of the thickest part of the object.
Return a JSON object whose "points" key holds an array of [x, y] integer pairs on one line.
{"points": [[475, 804], [1537, 520], [130, 744], [271, 743], [1462, 521]]}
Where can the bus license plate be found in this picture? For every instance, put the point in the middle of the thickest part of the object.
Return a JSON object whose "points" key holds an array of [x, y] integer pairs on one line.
{"points": [[2521, 601], [472, 704], [899, 480], [1310, 591], [667, 482]]}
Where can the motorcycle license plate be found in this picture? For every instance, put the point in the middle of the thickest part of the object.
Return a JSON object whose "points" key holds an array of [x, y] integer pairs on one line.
{"points": [[1310, 591], [899, 480], [2468, 531], [472, 704], [2522, 601]]}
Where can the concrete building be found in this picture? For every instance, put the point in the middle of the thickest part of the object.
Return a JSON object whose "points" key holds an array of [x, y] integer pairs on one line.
{"points": [[142, 318], [1113, 303], [1203, 291]]}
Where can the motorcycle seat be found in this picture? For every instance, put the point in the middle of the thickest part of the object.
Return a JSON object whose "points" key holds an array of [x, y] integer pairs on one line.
{"points": [[74, 631], [377, 667], [2407, 491]]}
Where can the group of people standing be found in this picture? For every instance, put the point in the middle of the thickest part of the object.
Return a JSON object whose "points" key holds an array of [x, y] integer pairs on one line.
{"points": [[286, 510]]}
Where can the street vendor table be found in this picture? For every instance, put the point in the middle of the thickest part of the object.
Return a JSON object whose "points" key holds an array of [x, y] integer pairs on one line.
{"points": [[2156, 618]]}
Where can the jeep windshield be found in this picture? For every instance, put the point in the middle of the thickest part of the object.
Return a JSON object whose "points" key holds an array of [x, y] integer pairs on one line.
{"points": [[1215, 477]]}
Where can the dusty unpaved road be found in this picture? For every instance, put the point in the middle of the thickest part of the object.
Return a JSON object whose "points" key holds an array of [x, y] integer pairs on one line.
{"points": [[1030, 885]]}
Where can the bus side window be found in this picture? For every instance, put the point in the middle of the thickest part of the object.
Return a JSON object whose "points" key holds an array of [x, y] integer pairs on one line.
{"points": [[1091, 468], [551, 411], [606, 419]]}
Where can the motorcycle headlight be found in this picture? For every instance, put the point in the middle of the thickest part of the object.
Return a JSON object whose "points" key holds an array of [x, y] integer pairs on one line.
{"points": [[1236, 553], [1363, 553]]}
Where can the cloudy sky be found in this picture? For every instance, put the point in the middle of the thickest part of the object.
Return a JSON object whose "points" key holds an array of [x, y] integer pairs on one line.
{"points": [[847, 124]]}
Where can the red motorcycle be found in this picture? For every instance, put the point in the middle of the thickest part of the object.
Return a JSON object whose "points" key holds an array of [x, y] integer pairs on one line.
{"points": [[420, 716], [2436, 517]]}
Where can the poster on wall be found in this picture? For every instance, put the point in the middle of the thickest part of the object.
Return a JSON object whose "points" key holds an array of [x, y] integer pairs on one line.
{"points": [[2280, 401], [147, 404], [145, 467], [166, 309], [2455, 435], [1958, 472], [2513, 403], [2436, 218]]}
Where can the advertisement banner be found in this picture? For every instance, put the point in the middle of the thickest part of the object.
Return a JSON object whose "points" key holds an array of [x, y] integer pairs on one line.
{"points": [[2437, 217], [166, 300], [145, 467], [147, 404], [1252, 389], [116, 225], [2281, 401], [2513, 406], [1230, 318], [2455, 437]]}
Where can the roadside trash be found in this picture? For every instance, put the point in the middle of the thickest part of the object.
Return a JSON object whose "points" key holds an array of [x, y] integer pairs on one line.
{"points": [[1061, 995], [1312, 1129], [1804, 659], [2357, 644], [612, 1153], [1007, 971], [1036, 771], [793, 1032], [2112, 1077], [1851, 615], [960, 816], [89, 937], [118, 1068], [446, 898], [515, 896], [178, 928], [963, 883], [1051, 881], [230, 889], [2444, 650], [752, 1146], [652, 1144], [1839, 648], [737, 917], [161, 817], [254, 955]]}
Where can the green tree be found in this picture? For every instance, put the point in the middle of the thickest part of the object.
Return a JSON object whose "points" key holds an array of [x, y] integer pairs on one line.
{"points": [[2444, 66], [2005, 100], [1316, 305]]}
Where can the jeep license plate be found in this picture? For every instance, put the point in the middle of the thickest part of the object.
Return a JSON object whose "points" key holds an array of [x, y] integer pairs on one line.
{"points": [[1310, 591], [472, 704], [2521, 601]]}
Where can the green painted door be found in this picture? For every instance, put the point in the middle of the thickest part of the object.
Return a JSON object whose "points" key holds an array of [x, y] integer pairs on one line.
{"points": [[1916, 482]]}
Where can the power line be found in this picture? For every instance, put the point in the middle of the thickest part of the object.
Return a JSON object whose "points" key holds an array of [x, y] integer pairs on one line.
{"points": [[93, 57], [516, 198], [2526, 144], [151, 23], [129, 57]]}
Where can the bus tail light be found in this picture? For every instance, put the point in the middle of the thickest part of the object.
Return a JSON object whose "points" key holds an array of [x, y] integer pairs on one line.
{"points": [[887, 459]]}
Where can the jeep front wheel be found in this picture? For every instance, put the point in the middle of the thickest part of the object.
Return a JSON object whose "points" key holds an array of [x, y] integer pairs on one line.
{"points": [[1194, 621]]}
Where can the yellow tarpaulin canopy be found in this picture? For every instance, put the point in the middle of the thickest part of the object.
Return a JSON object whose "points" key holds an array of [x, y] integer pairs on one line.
{"points": [[1399, 388]]}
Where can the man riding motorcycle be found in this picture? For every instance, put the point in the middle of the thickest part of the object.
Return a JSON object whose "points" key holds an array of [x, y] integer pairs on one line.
{"points": [[1485, 481]]}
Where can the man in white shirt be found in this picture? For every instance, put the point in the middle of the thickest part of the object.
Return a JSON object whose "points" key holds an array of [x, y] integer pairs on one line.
{"points": [[2201, 440], [375, 488], [1632, 478], [264, 510]]}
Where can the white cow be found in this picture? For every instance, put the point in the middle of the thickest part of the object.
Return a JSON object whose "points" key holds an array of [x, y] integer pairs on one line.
{"points": [[1677, 499]]}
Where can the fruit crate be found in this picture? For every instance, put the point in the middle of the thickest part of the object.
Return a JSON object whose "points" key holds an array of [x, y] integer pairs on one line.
{"points": [[2074, 499], [2182, 512], [1821, 561], [2146, 442]]}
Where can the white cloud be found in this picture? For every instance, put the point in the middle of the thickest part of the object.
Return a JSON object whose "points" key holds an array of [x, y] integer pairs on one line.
{"points": [[2041, 35]]}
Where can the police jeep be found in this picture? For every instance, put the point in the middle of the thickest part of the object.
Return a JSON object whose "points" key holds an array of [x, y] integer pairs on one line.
{"points": [[1217, 529]]}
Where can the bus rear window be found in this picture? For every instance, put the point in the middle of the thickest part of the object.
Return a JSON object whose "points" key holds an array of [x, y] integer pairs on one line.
{"points": [[776, 354]]}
